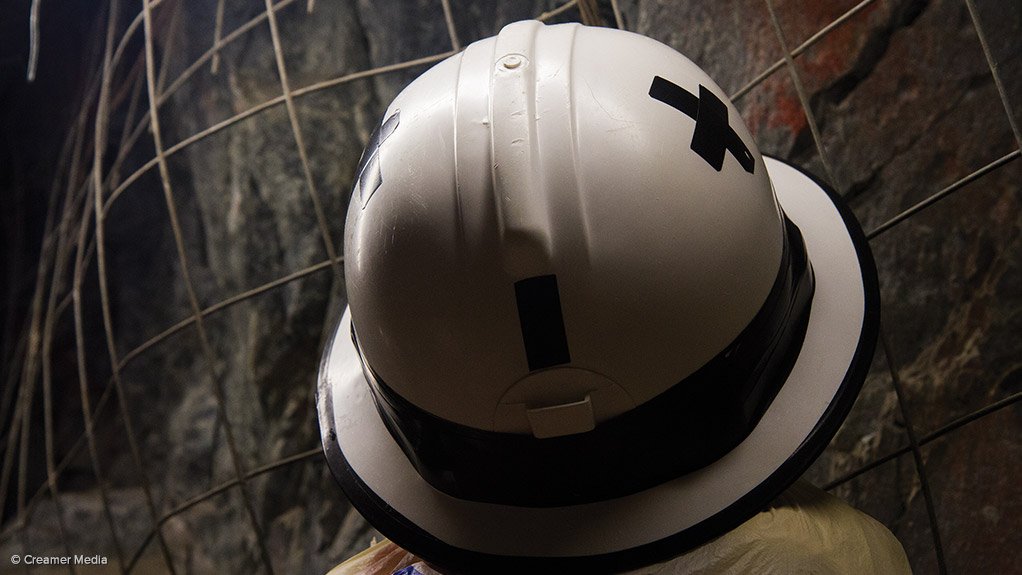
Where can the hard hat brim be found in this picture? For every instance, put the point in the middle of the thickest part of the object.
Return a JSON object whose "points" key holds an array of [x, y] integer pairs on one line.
{"points": [[658, 523]]}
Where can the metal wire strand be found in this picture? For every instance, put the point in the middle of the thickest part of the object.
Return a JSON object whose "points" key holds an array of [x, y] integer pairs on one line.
{"points": [[222, 488], [917, 455], [193, 299], [803, 98], [296, 131], [929, 437], [33, 40], [618, 20], [100, 135], [218, 30], [992, 64], [798, 51], [589, 13], [943, 193], [557, 11], [451, 30], [56, 285], [83, 387]]}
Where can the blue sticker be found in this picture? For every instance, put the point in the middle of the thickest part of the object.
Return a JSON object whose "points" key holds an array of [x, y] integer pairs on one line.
{"points": [[410, 570], [368, 171]]}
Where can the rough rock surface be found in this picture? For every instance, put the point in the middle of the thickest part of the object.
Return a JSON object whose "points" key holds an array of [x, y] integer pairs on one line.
{"points": [[904, 103]]}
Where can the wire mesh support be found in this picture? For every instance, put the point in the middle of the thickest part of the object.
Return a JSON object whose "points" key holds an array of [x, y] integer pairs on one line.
{"points": [[93, 194], [258, 108]]}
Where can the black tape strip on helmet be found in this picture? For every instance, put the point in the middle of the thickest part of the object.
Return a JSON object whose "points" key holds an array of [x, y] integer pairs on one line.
{"points": [[692, 424]]}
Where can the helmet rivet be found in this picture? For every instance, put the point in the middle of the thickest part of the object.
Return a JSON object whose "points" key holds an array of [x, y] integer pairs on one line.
{"points": [[511, 62]]}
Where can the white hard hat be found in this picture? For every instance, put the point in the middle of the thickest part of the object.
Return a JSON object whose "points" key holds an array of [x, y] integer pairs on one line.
{"points": [[589, 325]]}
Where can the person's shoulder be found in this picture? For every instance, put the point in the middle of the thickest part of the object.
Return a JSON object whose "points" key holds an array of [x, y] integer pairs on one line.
{"points": [[382, 558], [804, 530]]}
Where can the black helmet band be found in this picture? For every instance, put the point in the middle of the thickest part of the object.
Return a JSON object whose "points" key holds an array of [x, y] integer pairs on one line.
{"points": [[692, 424]]}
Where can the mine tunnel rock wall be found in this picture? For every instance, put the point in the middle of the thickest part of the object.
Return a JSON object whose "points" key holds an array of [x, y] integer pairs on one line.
{"points": [[904, 105]]}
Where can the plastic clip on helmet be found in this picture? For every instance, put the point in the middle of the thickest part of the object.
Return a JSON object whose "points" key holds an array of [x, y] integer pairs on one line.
{"points": [[589, 325]]}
